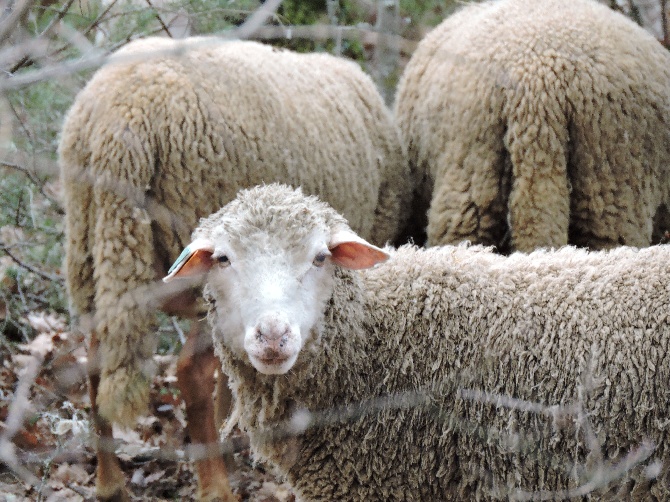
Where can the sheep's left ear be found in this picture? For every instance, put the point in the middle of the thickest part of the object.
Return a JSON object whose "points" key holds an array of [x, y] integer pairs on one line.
{"points": [[348, 250], [195, 259]]}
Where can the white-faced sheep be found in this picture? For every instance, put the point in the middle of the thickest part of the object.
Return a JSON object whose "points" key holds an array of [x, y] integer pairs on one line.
{"points": [[538, 123], [451, 373], [167, 133]]}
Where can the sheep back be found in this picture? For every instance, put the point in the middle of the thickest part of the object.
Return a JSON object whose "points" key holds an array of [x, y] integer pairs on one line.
{"points": [[167, 133], [548, 367], [544, 120]]}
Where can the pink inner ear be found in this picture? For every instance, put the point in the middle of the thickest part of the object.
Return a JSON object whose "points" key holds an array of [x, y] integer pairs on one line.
{"points": [[199, 263], [357, 255]]}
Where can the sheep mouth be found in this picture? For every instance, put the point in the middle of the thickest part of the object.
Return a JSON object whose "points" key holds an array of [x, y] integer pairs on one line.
{"points": [[273, 361], [275, 365]]}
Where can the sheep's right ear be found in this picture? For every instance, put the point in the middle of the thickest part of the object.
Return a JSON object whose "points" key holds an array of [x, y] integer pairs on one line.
{"points": [[348, 250], [194, 260]]}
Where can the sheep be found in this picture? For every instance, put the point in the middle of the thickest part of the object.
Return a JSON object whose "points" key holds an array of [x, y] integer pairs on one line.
{"points": [[538, 124], [446, 373], [166, 134]]}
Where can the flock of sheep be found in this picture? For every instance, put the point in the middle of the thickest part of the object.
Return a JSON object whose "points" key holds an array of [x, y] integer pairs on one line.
{"points": [[495, 362]]}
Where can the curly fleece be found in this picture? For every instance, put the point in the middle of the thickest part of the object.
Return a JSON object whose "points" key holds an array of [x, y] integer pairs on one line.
{"points": [[167, 133], [539, 123], [454, 373]]}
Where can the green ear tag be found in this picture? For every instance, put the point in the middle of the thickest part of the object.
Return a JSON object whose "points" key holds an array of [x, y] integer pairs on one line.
{"points": [[195, 258], [181, 259]]}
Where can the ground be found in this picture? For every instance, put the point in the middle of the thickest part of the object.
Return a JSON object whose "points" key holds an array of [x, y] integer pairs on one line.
{"points": [[45, 442]]}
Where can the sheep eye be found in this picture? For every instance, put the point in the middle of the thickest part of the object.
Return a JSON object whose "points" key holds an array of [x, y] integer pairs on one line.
{"points": [[320, 259], [223, 260]]}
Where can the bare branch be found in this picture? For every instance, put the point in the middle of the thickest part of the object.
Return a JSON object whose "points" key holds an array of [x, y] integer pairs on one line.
{"points": [[256, 20], [49, 72], [32, 174], [60, 14], [160, 19], [30, 268], [513, 403], [12, 21], [320, 32], [18, 408], [604, 475]]}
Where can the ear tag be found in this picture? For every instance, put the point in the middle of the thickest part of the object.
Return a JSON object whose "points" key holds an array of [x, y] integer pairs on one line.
{"points": [[194, 257]]}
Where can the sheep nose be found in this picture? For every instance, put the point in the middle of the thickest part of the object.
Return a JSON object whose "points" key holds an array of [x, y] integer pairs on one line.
{"points": [[273, 334]]}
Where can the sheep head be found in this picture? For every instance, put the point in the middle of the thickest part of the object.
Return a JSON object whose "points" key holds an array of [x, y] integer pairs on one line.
{"points": [[269, 259]]}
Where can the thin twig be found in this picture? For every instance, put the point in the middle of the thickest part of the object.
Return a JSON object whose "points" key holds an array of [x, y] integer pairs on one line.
{"points": [[160, 19], [604, 475], [13, 20], [179, 331], [60, 14], [256, 20], [35, 180], [320, 32], [97, 20], [30, 268], [316, 32], [28, 61], [20, 404]]}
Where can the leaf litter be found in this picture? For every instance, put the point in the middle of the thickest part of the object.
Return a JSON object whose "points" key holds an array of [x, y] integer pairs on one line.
{"points": [[45, 433]]}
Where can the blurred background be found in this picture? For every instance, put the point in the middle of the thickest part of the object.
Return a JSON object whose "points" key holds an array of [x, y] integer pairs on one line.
{"points": [[48, 51]]}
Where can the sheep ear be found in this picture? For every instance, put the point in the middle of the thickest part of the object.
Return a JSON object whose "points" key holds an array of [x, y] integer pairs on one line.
{"points": [[348, 250], [195, 259]]}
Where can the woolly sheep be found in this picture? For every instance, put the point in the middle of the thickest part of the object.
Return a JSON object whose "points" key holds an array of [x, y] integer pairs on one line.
{"points": [[166, 134], [448, 373], [538, 123]]}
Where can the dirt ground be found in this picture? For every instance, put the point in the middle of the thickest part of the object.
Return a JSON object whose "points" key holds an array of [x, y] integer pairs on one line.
{"points": [[45, 441]]}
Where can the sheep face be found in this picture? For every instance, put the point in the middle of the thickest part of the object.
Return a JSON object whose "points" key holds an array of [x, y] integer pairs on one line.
{"points": [[269, 296], [270, 274]]}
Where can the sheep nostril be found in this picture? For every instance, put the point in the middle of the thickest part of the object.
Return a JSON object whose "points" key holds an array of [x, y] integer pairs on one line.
{"points": [[259, 335], [272, 337], [273, 333]]}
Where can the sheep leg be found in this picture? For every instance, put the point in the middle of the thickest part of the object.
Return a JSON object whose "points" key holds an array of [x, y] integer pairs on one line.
{"points": [[110, 480], [539, 201], [466, 207], [661, 225], [195, 377]]}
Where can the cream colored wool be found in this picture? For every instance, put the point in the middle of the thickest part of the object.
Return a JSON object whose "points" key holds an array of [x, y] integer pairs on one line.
{"points": [[401, 349], [157, 140], [538, 123]]}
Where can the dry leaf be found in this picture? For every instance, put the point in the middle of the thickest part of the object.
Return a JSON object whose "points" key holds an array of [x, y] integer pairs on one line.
{"points": [[41, 345], [66, 474], [44, 322]]}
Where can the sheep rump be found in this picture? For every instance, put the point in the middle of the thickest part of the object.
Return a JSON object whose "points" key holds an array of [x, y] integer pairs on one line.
{"points": [[455, 373], [167, 133], [539, 123]]}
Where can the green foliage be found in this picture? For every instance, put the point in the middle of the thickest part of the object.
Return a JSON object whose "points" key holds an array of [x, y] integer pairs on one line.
{"points": [[39, 109], [170, 334], [428, 12], [31, 238], [298, 12], [209, 16]]}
